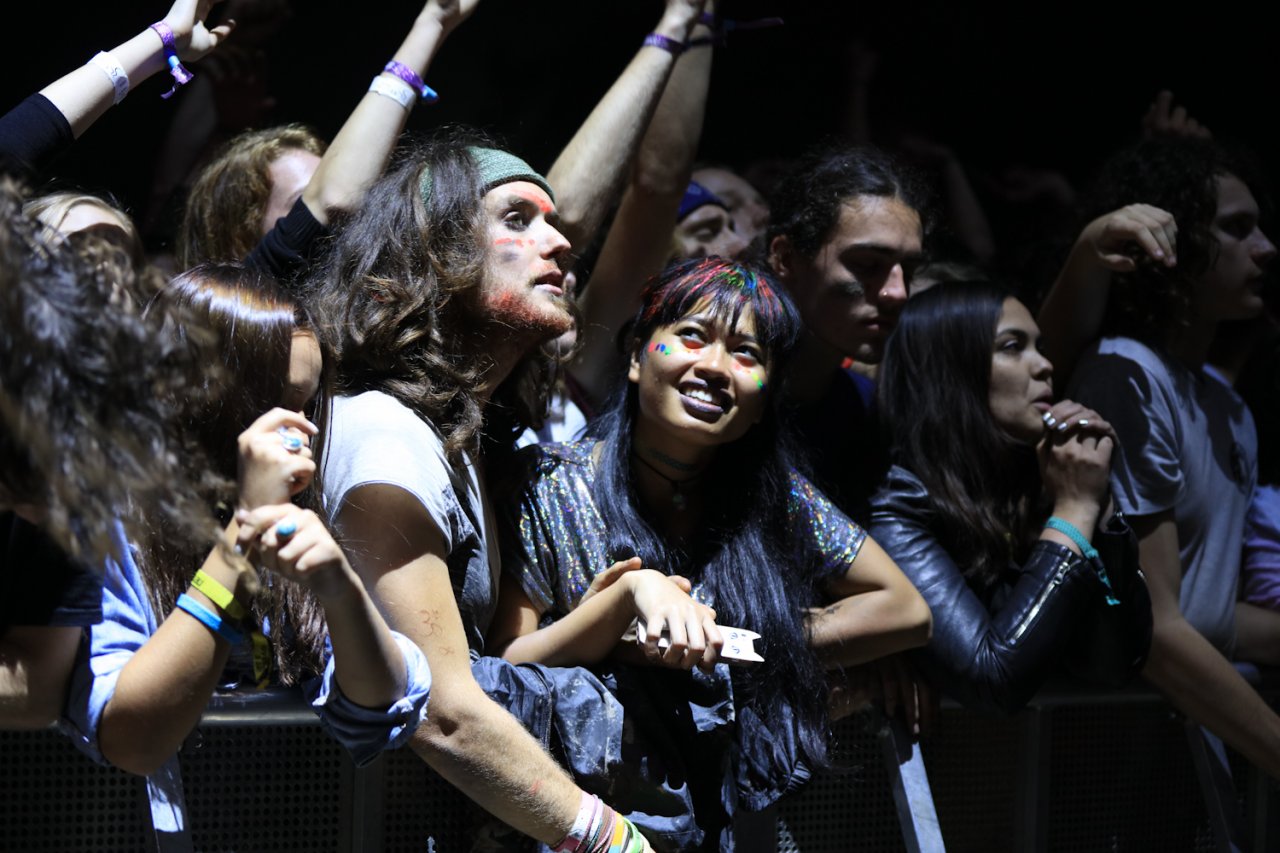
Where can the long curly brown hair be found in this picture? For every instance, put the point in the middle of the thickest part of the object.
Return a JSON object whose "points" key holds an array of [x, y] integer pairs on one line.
{"points": [[226, 203], [398, 298], [88, 429]]}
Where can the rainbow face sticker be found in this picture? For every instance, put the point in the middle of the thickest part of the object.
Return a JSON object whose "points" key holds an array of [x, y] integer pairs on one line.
{"points": [[662, 348]]}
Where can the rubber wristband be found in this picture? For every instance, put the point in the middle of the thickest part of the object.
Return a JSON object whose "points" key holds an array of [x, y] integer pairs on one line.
{"points": [[110, 66], [219, 595], [668, 44], [210, 620], [397, 90]]}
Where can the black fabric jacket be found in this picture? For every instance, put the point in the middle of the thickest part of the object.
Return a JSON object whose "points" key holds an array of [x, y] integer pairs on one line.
{"points": [[991, 648]]}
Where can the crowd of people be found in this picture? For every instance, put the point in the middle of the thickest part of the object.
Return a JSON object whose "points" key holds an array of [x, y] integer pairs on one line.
{"points": [[609, 538]]}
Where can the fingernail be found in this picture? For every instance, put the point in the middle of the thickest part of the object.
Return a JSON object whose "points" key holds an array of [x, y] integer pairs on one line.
{"points": [[1062, 426], [1084, 422], [1049, 420]]}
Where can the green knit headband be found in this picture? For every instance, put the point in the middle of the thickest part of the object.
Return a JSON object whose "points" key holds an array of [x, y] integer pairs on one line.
{"points": [[495, 168]]}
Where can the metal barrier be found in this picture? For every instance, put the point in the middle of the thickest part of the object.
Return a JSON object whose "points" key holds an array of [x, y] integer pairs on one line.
{"points": [[1078, 771]]}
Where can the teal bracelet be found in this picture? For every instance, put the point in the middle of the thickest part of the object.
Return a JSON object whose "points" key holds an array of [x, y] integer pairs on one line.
{"points": [[1086, 548], [210, 620]]}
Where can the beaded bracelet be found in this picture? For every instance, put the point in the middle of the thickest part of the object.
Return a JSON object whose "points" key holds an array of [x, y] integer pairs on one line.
{"points": [[210, 620], [181, 76]]}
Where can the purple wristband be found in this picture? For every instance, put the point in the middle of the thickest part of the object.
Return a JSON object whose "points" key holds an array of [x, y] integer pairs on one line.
{"points": [[181, 76], [668, 44], [411, 77]]}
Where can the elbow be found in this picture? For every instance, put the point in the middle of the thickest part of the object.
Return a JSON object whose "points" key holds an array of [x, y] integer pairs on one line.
{"points": [[452, 717], [919, 621], [136, 755]]}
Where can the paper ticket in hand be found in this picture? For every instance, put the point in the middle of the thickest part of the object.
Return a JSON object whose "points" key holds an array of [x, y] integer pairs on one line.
{"points": [[739, 643]]}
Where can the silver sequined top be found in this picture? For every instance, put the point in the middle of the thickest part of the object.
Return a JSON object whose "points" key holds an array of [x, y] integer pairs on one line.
{"points": [[558, 543]]}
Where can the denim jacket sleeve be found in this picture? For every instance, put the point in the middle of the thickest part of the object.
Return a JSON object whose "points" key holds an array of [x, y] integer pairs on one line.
{"points": [[996, 657]]}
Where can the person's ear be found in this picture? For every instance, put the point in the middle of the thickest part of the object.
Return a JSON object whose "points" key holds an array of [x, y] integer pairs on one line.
{"points": [[782, 257], [633, 367]]}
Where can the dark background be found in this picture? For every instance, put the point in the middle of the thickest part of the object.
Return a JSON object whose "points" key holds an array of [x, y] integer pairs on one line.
{"points": [[1050, 85]]}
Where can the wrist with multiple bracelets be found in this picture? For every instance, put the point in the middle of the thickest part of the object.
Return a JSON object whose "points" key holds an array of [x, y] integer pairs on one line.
{"points": [[233, 625], [403, 86]]}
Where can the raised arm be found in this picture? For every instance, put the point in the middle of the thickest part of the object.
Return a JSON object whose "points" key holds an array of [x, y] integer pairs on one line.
{"points": [[87, 92], [360, 151], [588, 174], [1072, 313], [639, 241], [469, 739], [165, 684]]}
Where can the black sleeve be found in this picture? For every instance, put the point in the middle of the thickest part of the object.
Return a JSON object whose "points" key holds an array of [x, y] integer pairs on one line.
{"points": [[31, 135], [290, 247], [43, 586], [983, 658]]}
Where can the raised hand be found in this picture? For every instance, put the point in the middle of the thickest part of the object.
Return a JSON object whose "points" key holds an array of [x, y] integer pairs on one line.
{"points": [[1075, 455], [275, 458], [295, 544], [193, 39], [1164, 118], [1113, 237], [450, 13]]}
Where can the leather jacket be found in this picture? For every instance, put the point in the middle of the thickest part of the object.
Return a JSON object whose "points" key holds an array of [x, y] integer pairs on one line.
{"points": [[991, 648]]}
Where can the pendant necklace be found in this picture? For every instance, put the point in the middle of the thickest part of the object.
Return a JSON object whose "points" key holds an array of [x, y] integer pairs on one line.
{"points": [[678, 499]]}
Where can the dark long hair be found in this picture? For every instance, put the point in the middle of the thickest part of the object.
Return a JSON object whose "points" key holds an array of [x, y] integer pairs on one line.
{"points": [[744, 558], [935, 383], [253, 322], [87, 422]]}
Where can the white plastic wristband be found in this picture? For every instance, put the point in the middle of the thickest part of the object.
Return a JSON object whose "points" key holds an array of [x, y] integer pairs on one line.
{"points": [[107, 64], [395, 89]]}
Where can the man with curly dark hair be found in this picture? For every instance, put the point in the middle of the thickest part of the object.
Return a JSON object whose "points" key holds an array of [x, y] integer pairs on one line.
{"points": [[1189, 462], [846, 235]]}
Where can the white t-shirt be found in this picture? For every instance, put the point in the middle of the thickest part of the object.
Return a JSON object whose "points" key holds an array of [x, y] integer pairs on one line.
{"points": [[1188, 445], [375, 439]]}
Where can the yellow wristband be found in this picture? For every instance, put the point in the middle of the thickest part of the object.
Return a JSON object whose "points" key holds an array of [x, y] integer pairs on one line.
{"points": [[219, 595]]}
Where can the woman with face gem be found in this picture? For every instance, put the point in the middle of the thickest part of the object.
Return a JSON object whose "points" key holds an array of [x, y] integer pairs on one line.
{"points": [[688, 478], [996, 492]]}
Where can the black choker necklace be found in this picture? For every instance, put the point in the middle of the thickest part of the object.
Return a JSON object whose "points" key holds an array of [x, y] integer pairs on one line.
{"points": [[678, 499]]}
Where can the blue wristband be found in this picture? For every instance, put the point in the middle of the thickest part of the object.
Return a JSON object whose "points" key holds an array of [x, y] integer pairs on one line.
{"points": [[210, 620], [1086, 548]]}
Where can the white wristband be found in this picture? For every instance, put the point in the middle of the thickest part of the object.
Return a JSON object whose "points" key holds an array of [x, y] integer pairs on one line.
{"points": [[107, 64], [395, 89]]}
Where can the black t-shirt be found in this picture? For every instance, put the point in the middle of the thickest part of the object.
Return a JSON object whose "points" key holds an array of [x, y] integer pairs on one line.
{"points": [[840, 436], [42, 585]]}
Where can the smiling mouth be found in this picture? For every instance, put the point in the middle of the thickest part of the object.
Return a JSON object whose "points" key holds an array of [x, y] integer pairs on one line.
{"points": [[703, 403]]}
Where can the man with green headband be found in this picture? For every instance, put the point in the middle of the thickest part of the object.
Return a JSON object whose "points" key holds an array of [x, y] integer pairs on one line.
{"points": [[439, 295]]}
